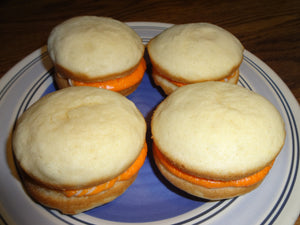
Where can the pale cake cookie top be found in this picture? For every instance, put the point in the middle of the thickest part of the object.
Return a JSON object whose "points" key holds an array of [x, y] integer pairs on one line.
{"points": [[95, 46], [196, 52], [218, 130], [79, 135]]}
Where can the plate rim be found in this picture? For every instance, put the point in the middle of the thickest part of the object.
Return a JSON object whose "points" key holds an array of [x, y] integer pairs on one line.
{"points": [[40, 52]]}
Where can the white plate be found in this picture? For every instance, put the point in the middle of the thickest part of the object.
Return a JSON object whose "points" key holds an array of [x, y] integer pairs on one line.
{"points": [[152, 200]]}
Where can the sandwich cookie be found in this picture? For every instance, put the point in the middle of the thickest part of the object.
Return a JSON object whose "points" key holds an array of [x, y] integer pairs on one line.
{"points": [[195, 52], [79, 147], [216, 140], [97, 51]]}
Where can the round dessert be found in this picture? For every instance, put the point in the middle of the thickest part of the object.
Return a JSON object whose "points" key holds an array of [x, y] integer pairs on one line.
{"points": [[195, 52], [79, 147], [97, 51], [216, 140]]}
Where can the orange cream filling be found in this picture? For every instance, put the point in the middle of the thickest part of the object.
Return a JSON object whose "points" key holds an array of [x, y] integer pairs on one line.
{"points": [[179, 84], [244, 182], [131, 171], [118, 84]]}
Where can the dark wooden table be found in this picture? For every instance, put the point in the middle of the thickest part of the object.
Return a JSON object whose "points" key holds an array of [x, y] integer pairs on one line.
{"points": [[268, 29]]}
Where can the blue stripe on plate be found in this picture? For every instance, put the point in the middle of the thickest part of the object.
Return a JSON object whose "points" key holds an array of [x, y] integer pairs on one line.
{"points": [[227, 203], [26, 101], [2, 220], [270, 219], [20, 73], [222, 205], [244, 83]]}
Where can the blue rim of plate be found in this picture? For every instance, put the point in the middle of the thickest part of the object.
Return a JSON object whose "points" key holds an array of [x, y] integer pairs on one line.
{"points": [[217, 207]]}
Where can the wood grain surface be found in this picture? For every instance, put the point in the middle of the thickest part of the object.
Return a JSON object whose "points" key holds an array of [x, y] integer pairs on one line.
{"points": [[268, 29]]}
